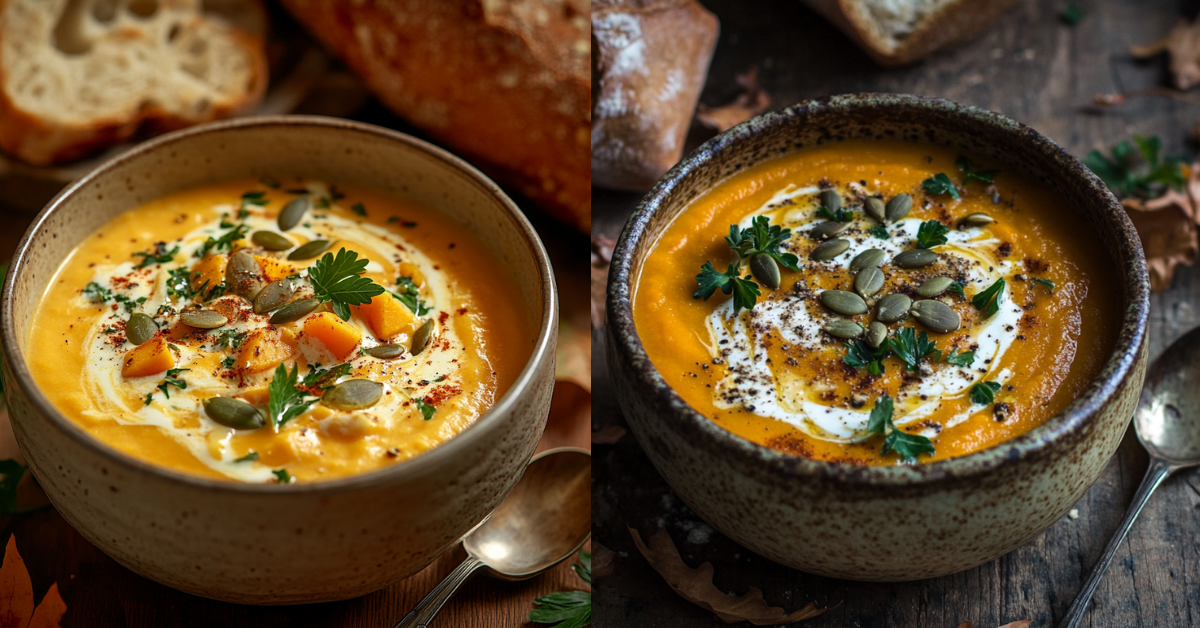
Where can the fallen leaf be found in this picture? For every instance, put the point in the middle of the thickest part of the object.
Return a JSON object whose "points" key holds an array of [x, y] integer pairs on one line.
{"points": [[1182, 45], [696, 586], [1024, 623], [16, 595], [602, 560], [602, 250], [966, 624], [752, 101], [608, 435], [1167, 227]]}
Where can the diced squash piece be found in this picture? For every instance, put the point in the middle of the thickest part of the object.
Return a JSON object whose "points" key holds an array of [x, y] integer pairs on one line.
{"points": [[338, 337], [274, 269], [386, 316], [148, 358], [210, 270], [409, 269], [264, 349]]}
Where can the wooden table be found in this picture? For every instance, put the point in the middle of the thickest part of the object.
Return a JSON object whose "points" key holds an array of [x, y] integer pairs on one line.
{"points": [[1034, 68]]}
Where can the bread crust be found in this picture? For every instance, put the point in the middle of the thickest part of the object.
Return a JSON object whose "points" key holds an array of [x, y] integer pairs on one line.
{"points": [[504, 83]]}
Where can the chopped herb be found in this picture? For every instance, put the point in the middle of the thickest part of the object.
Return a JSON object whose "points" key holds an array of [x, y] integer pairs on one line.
{"points": [[338, 281], [160, 255], [940, 184], [567, 609], [228, 362], [282, 476], [179, 283], [250, 457], [165, 310], [931, 233], [879, 231], [906, 445], [968, 168], [984, 393], [320, 378], [860, 355], [427, 411], [956, 289], [223, 243], [358, 208], [230, 338], [407, 293], [1071, 14], [1144, 176], [171, 380], [149, 397], [1044, 282], [286, 401], [911, 348], [426, 382], [841, 215], [322, 202], [963, 359], [96, 292], [762, 238], [988, 301], [745, 292]]}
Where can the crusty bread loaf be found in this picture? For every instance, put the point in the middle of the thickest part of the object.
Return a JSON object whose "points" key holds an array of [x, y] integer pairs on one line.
{"points": [[502, 82], [79, 75], [896, 32], [651, 61]]}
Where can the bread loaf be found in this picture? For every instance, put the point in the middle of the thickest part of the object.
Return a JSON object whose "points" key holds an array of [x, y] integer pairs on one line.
{"points": [[77, 76], [502, 82]]}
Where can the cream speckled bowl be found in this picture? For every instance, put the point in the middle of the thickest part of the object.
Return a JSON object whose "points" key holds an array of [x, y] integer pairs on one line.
{"points": [[271, 544], [881, 523]]}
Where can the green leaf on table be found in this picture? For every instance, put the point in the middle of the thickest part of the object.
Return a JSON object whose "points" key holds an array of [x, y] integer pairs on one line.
{"points": [[567, 609], [1136, 169]]}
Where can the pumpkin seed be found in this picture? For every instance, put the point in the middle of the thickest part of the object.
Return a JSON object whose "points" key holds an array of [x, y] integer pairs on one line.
{"points": [[421, 337], [893, 307], [868, 281], [273, 295], [843, 302], [915, 258], [243, 275], [353, 394], [271, 241], [842, 328], [140, 328], [233, 413], [934, 287], [829, 249], [978, 219], [294, 311], [876, 334], [898, 207], [202, 319], [875, 209], [765, 270], [827, 229], [293, 212], [936, 315], [831, 200], [869, 257], [309, 250], [386, 352]]}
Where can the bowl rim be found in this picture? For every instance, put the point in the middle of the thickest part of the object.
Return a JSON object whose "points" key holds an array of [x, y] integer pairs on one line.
{"points": [[544, 339], [625, 345]]}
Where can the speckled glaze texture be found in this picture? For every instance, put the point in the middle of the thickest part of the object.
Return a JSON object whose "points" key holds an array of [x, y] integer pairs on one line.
{"points": [[271, 544], [880, 523]]}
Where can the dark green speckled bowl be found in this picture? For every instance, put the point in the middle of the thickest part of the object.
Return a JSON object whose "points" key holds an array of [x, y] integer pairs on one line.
{"points": [[880, 523]]}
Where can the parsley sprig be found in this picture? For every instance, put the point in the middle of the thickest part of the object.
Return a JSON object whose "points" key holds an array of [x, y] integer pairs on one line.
{"points": [[841, 215], [970, 172], [984, 393], [940, 184], [906, 445], [160, 255], [879, 231], [223, 243], [286, 401], [860, 355], [963, 359], [567, 609], [179, 283], [762, 238], [427, 411], [931, 233], [323, 378], [745, 292], [407, 293], [100, 294], [988, 301], [338, 281], [1137, 169], [911, 348]]}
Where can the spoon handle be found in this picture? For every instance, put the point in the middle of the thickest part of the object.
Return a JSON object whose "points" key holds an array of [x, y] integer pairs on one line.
{"points": [[420, 616], [1158, 471]]}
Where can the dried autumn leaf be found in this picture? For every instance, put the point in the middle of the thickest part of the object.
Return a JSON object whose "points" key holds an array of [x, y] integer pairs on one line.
{"points": [[602, 250], [602, 560], [608, 435], [1182, 45], [696, 586], [1168, 231], [16, 595], [752, 101]]}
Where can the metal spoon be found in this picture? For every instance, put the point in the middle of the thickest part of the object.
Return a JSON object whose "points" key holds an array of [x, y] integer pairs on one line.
{"points": [[544, 520], [1167, 422]]}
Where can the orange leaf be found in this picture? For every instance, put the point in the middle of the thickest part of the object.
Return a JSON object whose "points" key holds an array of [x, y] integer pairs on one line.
{"points": [[50, 611], [1167, 230], [1182, 45], [16, 596], [751, 102], [696, 586]]}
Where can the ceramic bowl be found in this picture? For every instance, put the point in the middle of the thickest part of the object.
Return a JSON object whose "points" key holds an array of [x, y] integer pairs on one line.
{"points": [[272, 544], [880, 523]]}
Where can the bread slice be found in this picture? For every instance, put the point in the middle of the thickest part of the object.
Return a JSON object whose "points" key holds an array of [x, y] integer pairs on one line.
{"points": [[79, 75], [897, 32]]}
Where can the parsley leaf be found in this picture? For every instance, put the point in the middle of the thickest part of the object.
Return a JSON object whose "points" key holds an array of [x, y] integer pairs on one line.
{"points": [[931, 233], [860, 355], [963, 359], [228, 362], [984, 393], [906, 445], [427, 411], [940, 184], [956, 289], [407, 293], [250, 457], [1144, 174], [282, 476], [910, 347], [567, 609], [988, 301], [257, 199], [160, 255], [223, 243], [881, 415], [358, 209], [286, 401], [762, 238], [879, 231], [320, 378], [230, 338], [338, 280], [745, 292], [171, 380], [968, 168], [1044, 282], [179, 283], [97, 292], [841, 215]]}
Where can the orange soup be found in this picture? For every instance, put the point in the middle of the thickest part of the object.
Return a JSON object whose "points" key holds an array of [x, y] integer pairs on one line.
{"points": [[877, 303], [277, 332]]}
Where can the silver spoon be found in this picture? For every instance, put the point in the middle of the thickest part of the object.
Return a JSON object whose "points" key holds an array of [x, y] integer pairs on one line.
{"points": [[1167, 422], [544, 520]]}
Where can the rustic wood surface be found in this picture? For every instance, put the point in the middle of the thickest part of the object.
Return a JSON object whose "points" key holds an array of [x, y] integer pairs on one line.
{"points": [[1034, 68]]}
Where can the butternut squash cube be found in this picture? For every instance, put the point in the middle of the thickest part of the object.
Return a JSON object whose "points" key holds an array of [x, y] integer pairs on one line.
{"points": [[386, 316], [264, 349], [210, 270], [338, 337], [148, 358], [274, 269], [409, 269]]}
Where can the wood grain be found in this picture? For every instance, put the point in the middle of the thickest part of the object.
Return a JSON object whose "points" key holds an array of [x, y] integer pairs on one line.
{"points": [[1034, 68]]}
